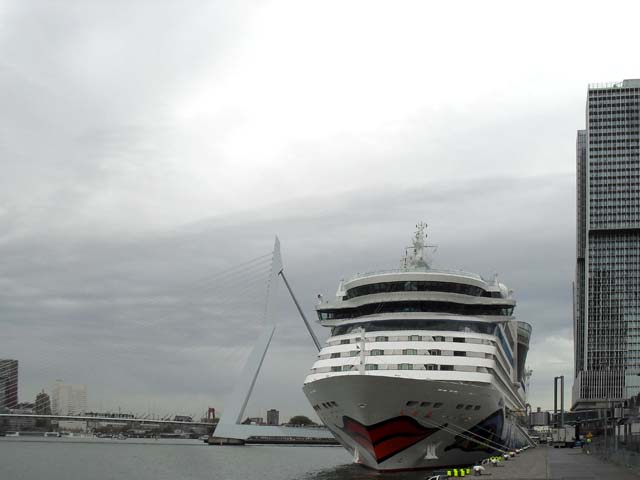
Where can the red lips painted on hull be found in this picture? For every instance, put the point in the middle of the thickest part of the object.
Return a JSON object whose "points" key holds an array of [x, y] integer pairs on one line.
{"points": [[389, 437]]}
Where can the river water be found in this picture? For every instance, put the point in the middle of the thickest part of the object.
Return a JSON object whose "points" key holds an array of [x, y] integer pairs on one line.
{"points": [[37, 458]]}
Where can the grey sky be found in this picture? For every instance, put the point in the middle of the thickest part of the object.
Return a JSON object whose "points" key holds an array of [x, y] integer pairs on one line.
{"points": [[146, 145]]}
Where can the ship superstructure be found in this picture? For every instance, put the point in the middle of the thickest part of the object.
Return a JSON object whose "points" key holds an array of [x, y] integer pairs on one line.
{"points": [[424, 367]]}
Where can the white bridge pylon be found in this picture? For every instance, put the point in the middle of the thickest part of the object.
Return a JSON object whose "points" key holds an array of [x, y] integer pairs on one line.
{"points": [[229, 428]]}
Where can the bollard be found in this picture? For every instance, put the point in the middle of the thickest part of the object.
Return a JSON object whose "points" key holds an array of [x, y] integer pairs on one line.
{"points": [[478, 470]]}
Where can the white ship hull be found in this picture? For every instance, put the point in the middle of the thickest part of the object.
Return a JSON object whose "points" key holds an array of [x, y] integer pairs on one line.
{"points": [[392, 423]]}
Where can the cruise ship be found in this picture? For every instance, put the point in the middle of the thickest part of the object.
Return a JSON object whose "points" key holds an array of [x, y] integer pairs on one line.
{"points": [[424, 367]]}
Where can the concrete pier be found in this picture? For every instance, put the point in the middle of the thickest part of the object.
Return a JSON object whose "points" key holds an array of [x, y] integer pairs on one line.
{"points": [[546, 463]]}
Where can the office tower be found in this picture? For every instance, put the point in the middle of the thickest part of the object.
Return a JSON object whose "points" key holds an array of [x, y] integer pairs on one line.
{"points": [[273, 417], [607, 285], [68, 399], [8, 384], [42, 404]]}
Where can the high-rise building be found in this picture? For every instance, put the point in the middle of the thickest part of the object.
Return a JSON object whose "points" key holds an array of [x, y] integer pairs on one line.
{"points": [[42, 404], [273, 417], [68, 399], [607, 284], [8, 384]]}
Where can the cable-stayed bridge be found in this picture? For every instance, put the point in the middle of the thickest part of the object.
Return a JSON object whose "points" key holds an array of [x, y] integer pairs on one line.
{"points": [[247, 281]]}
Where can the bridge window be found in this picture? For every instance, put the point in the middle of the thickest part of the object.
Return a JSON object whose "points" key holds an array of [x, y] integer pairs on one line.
{"points": [[409, 324], [335, 355], [345, 342], [418, 306], [412, 403], [458, 353], [415, 286], [414, 338], [437, 405], [430, 366], [405, 366], [425, 404], [336, 369], [409, 351], [371, 366], [377, 352], [435, 352], [382, 339]]}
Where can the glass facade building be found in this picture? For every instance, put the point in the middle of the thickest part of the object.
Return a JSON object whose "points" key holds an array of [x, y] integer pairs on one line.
{"points": [[607, 284], [8, 384]]}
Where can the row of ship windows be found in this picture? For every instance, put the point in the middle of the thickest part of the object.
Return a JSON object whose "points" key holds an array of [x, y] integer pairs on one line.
{"points": [[409, 351], [460, 406], [410, 403], [419, 286], [326, 405], [404, 366], [414, 338], [487, 328], [415, 306]]}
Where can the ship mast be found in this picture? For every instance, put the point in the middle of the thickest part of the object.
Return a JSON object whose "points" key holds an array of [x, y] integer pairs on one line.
{"points": [[414, 257]]}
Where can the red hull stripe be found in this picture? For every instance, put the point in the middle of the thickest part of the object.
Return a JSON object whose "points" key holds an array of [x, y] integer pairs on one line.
{"points": [[388, 438]]}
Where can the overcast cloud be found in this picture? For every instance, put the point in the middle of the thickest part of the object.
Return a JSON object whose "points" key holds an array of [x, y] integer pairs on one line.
{"points": [[145, 146]]}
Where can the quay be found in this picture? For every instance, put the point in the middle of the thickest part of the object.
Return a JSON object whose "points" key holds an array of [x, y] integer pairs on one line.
{"points": [[547, 463]]}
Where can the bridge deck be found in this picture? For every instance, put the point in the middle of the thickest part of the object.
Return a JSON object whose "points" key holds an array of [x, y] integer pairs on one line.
{"points": [[84, 418]]}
